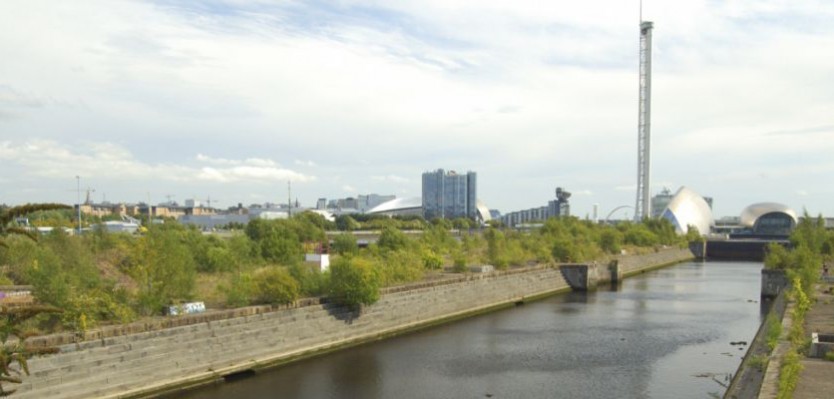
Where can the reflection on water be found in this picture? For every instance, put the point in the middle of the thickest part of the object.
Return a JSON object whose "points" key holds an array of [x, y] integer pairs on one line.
{"points": [[663, 334]]}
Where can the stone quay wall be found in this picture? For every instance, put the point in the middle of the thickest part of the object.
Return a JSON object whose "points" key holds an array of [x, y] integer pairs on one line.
{"points": [[143, 359]]}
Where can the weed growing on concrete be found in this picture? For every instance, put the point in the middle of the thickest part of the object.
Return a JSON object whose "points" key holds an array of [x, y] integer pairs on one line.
{"points": [[758, 362], [774, 331]]}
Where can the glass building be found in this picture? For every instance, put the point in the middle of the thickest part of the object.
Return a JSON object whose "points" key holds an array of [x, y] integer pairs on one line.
{"points": [[449, 194]]}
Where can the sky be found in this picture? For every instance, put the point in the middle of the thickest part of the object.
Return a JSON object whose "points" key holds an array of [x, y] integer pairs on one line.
{"points": [[231, 99]]}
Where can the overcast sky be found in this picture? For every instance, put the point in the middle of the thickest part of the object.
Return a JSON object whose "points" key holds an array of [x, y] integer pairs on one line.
{"points": [[231, 99]]}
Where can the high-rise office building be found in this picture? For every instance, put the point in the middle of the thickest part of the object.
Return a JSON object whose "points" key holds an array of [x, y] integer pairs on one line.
{"points": [[449, 194]]}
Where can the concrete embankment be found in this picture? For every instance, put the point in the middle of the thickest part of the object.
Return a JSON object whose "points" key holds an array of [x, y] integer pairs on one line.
{"points": [[207, 348]]}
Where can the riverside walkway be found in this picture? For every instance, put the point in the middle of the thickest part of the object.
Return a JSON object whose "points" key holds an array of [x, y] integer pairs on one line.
{"points": [[816, 380]]}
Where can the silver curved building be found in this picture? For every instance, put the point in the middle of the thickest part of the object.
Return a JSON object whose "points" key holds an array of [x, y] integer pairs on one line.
{"points": [[769, 218], [414, 206], [687, 208], [399, 207]]}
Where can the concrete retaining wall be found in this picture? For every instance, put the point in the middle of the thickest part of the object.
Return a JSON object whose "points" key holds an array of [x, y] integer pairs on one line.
{"points": [[631, 265], [163, 359]]}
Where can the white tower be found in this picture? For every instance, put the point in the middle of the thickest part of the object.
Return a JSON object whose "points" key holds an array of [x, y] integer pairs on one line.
{"points": [[644, 138]]}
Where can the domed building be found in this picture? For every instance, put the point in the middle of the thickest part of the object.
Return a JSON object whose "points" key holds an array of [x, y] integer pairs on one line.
{"points": [[687, 208], [413, 206], [768, 219]]}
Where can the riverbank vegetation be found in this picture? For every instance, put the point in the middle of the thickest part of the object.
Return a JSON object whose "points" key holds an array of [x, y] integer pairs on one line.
{"points": [[101, 277], [811, 246]]}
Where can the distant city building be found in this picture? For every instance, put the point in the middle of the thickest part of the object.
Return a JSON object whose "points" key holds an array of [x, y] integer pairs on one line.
{"points": [[769, 219], [360, 204], [321, 203], [661, 201], [449, 195], [414, 207], [688, 209], [555, 208], [212, 222], [370, 201], [399, 207]]}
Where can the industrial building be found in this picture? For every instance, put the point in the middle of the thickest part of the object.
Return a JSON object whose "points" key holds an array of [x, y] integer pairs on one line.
{"points": [[554, 208]]}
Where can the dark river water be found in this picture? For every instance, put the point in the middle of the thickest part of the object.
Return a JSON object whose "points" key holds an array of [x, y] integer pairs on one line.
{"points": [[664, 334]]}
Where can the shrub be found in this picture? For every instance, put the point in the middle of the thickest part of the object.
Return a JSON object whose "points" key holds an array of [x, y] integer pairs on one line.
{"points": [[401, 266], [164, 269], [774, 331], [392, 239], [239, 291], [758, 362], [345, 244], [354, 282], [610, 241], [459, 262], [496, 248], [85, 310], [220, 259], [275, 286], [789, 375], [640, 236], [311, 282], [564, 250], [432, 260]]}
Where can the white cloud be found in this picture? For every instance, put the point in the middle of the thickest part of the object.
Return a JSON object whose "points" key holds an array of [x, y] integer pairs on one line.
{"points": [[391, 178], [53, 160], [501, 88], [304, 163]]}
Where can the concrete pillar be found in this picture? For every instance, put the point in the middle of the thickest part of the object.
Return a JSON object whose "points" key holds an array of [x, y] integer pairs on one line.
{"points": [[773, 282], [615, 271], [581, 277]]}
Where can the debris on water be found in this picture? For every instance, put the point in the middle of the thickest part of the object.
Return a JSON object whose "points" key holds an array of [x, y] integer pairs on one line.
{"points": [[734, 343], [727, 354], [489, 395], [752, 301]]}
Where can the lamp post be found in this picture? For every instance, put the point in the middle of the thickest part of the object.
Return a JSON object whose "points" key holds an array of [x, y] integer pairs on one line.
{"points": [[78, 199]]}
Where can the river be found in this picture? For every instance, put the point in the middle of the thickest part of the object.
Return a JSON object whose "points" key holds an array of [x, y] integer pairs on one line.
{"points": [[663, 334]]}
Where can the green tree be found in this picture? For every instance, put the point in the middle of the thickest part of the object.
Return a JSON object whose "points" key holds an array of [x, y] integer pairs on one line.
{"points": [[431, 260], [693, 235], [610, 241], [392, 239], [164, 269], [459, 262], [347, 223], [239, 290], [275, 286], [311, 282], [496, 248], [14, 355], [345, 244], [463, 223], [8, 216], [354, 282], [278, 240]]}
